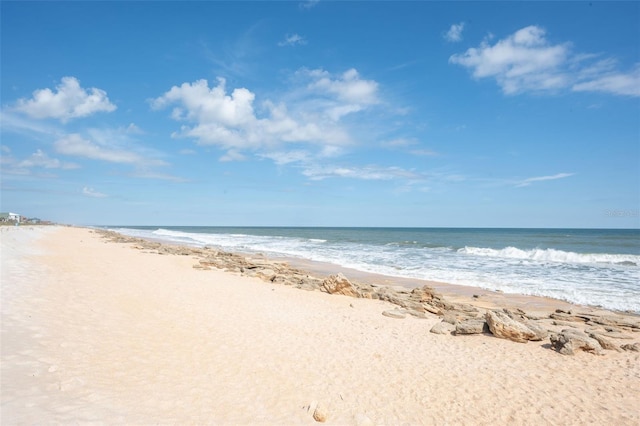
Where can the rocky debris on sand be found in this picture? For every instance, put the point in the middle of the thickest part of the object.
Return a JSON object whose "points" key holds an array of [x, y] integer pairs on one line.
{"points": [[605, 342], [394, 313], [339, 284], [617, 322], [590, 331], [569, 341], [514, 326], [443, 328], [503, 326], [320, 414], [635, 347], [472, 326]]}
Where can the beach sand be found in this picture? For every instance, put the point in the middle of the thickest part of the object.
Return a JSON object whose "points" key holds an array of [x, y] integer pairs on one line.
{"points": [[97, 332]]}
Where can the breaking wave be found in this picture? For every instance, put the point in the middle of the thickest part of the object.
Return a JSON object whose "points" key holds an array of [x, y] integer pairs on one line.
{"points": [[553, 255]]}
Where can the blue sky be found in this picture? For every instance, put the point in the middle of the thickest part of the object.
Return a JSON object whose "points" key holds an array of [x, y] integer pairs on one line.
{"points": [[322, 113]]}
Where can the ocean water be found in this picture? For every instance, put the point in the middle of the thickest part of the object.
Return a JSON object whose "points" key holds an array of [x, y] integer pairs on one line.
{"points": [[587, 266]]}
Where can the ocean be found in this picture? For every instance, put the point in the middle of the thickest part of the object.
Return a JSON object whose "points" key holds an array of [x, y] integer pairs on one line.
{"points": [[597, 267]]}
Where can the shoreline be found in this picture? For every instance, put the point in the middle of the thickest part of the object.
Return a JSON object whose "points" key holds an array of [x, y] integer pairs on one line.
{"points": [[101, 332], [563, 277], [494, 313], [477, 296]]}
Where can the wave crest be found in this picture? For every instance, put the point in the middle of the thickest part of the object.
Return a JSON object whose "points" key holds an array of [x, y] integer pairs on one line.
{"points": [[553, 255]]}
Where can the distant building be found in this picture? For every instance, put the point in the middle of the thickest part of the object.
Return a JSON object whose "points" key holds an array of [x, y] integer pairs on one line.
{"points": [[10, 217]]}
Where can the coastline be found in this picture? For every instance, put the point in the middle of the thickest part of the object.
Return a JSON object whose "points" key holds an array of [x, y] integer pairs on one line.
{"points": [[459, 293], [581, 266], [94, 331]]}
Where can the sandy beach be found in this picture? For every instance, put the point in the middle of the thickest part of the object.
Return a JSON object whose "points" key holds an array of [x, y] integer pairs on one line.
{"points": [[95, 332]]}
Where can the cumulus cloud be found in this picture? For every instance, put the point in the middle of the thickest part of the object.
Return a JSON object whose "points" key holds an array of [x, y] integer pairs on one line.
{"points": [[90, 192], [527, 62], [529, 181], [347, 87], [524, 61], [292, 40], [455, 33], [68, 101], [310, 115]]}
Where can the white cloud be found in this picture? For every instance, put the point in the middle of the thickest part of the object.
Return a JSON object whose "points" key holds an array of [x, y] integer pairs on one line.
{"points": [[529, 181], [320, 172], [527, 62], [399, 143], [287, 157], [132, 129], [613, 82], [232, 155], [90, 192], [292, 40], [424, 152], [146, 173], [308, 4], [455, 32], [347, 87], [99, 149], [311, 114], [524, 61], [76, 145], [67, 102], [209, 105], [37, 160], [16, 123], [41, 159]]}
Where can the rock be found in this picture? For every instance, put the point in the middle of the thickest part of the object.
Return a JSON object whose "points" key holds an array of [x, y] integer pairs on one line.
{"points": [[505, 327], [454, 317], [540, 331], [464, 307], [536, 317], [424, 294], [520, 316], [266, 273], [605, 342], [615, 321], [566, 317], [395, 313], [431, 309], [631, 347], [339, 284], [617, 335], [472, 326], [443, 328], [564, 324], [417, 314], [320, 414], [569, 341]]}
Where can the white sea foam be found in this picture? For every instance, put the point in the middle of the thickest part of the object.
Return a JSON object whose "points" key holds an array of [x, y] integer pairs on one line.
{"points": [[552, 255]]}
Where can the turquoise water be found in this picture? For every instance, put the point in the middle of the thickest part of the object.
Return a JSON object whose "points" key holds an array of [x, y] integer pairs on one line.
{"points": [[587, 266]]}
